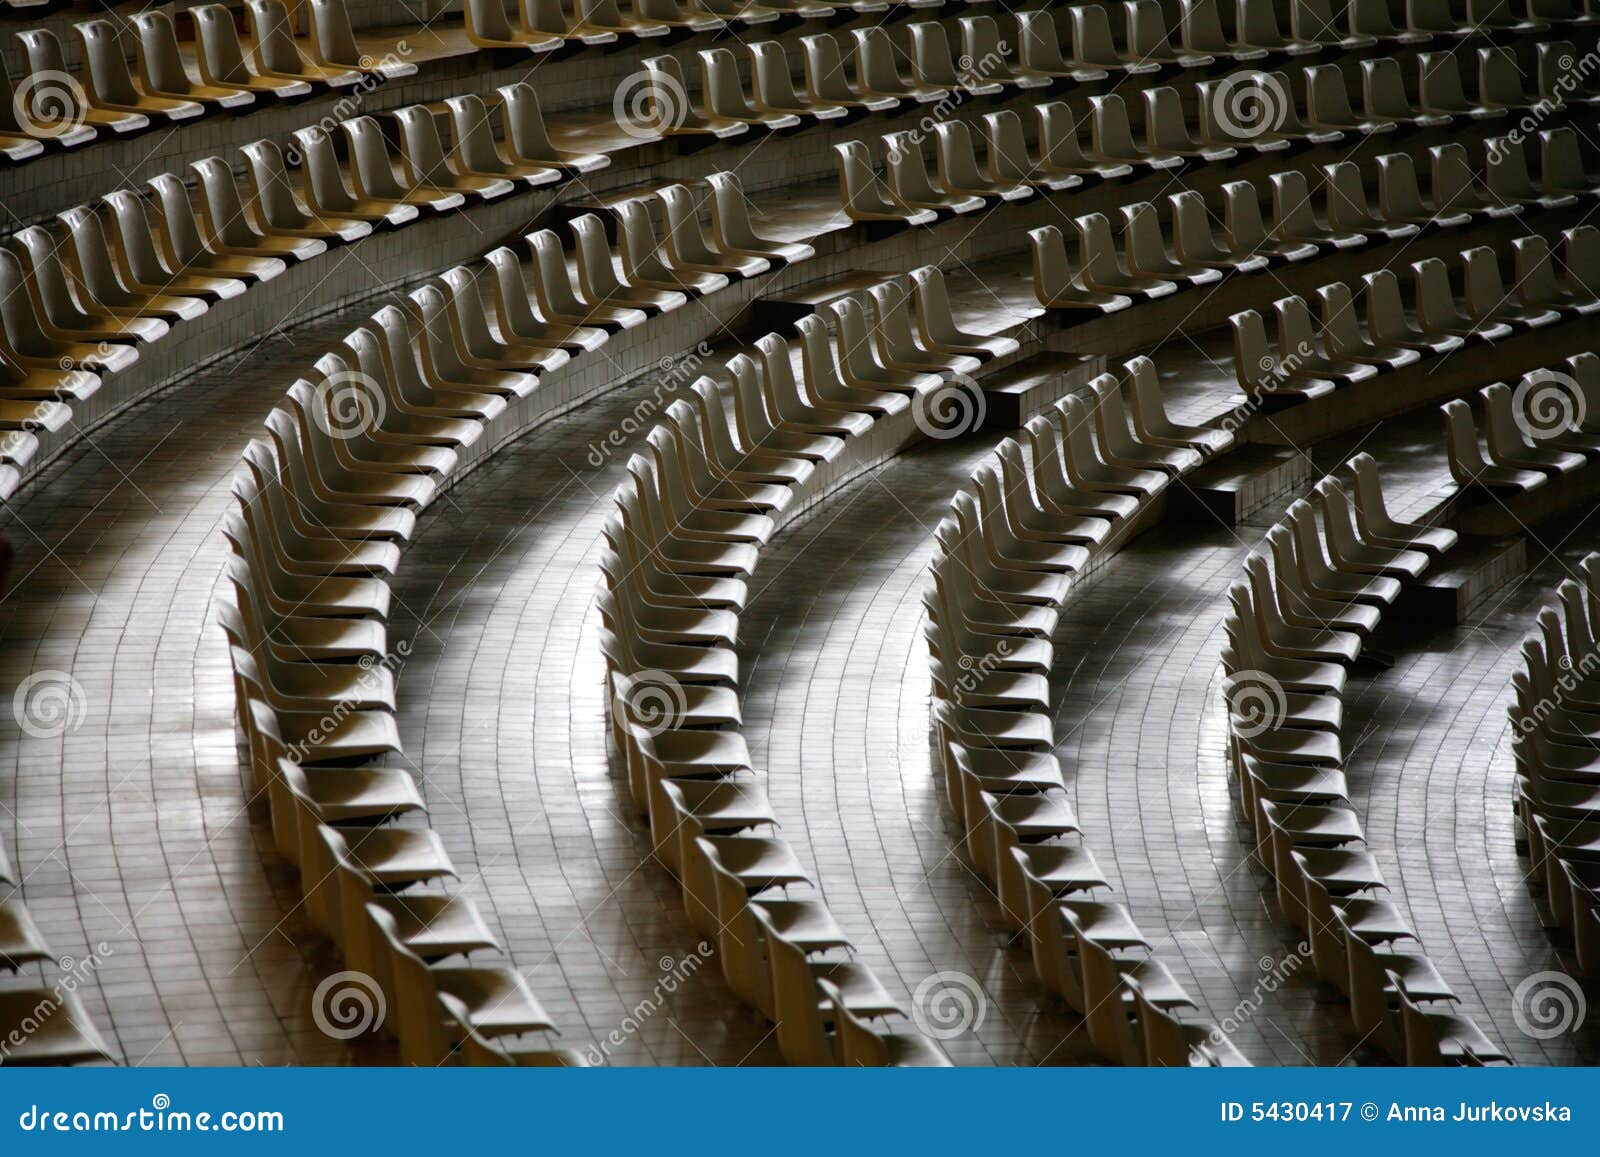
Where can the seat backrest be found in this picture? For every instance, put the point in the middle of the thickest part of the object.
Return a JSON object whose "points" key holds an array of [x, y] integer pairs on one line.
{"points": [[525, 128], [160, 62], [272, 39], [332, 39], [320, 172], [219, 54], [421, 150], [105, 65], [270, 189], [802, 1035], [370, 164]]}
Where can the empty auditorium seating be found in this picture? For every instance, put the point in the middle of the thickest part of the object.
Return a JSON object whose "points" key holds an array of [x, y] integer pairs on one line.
{"points": [[843, 216]]}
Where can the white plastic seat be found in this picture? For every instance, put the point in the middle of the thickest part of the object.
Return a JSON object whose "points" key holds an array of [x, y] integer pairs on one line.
{"points": [[111, 85], [1102, 268], [162, 71], [642, 264], [1509, 443], [868, 199], [1151, 423], [877, 74], [828, 84], [227, 228], [772, 86], [911, 183], [1343, 338], [529, 140], [1201, 26], [1328, 104], [724, 95], [44, 56], [328, 195], [274, 51], [1039, 50], [1061, 153], [1147, 254], [332, 44], [1440, 92], [1246, 232], [686, 246], [279, 212], [373, 173], [958, 167], [488, 27], [937, 326], [1195, 243], [1166, 134], [1055, 283], [1111, 137], [1383, 89], [1400, 197]]}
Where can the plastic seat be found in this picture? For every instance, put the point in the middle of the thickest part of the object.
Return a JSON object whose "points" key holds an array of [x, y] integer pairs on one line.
{"points": [[1561, 166], [1122, 448], [1055, 283], [1559, 79], [227, 228], [1342, 336], [1257, 25], [958, 170], [162, 72], [1167, 135], [1245, 110], [868, 199], [45, 58], [1383, 90], [279, 212], [937, 325], [1195, 243], [526, 340], [1201, 26], [724, 95], [1375, 523], [1039, 50], [989, 55], [550, 18], [686, 247], [1440, 92], [488, 27], [1435, 18], [1536, 286], [111, 85], [1102, 268], [1149, 40], [1348, 210], [772, 87], [1400, 197], [1151, 423], [332, 44], [66, 1037], [1507, 435], [426, 167], [932, 63], [1328, 104], [1095, 50], [1313, 21], [220, 57], [1061, 153], [1111, 137], [529, 140], [275, 53], [139, 265], [1147, 253], [827, 83], [598, 283], [62, 319], [642, 261], [1247, 234], [373, 174], [878, 75], [1506, 175], [1488, 302], [1261, 373], [328, 195]]}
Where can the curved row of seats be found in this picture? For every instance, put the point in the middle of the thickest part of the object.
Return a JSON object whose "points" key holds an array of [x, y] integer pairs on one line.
{"points": [[80, 303], [1039, 514], [1555, 723], [717, 479], [1310, 600], [1541, 430], [50, 106], [1313, 358]]}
